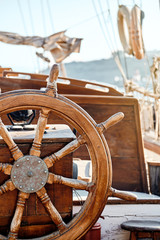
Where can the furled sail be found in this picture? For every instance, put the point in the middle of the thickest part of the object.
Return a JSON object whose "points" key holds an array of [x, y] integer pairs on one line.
{"points": [[58, 44]]}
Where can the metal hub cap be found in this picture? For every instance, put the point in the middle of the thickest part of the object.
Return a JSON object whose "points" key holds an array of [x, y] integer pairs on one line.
{"points": [[29, 174]]}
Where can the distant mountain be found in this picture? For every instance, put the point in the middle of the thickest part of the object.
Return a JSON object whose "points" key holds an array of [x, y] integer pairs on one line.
{"points": [[106, 70]]}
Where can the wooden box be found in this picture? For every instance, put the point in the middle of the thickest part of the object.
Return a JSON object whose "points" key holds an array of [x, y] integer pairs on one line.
{"points": [[55, 138]]}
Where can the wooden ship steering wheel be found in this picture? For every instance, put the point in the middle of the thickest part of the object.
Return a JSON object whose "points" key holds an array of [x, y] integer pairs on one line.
{"points": [[32, 179]]}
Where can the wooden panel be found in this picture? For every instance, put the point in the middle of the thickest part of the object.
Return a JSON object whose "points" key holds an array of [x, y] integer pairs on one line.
{"points": [[114, 135], [126, 171], [34, 212], [124, 139], [19, 80]]}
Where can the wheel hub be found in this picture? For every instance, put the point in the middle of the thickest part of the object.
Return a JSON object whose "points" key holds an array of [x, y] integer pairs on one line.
{"points": [[29, 174]]}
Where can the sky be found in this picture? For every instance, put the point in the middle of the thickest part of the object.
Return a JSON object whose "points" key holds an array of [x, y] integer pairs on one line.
{"points": [[80, 18]]}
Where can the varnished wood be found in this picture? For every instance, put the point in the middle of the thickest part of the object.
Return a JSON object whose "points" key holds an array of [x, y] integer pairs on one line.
{"points": [[8, 73], [5, 168], [122, 194], [124, 139], [16, 221], [74, 183], [114, 119], [85, 126], [52, 84], [54, 214], [66, 86], [7, 186], [55, 139], [16, 152], [41, 125], [70, 147], [99, 187], [53, 134], [4, 69]]}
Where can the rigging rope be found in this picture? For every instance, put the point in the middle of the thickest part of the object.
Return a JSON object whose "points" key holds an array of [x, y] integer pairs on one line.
{"points": [[33, 30], [134, 2], [99, 20], [50, 15], [113, 30], [114, 53], [31, 18], [126, 66], [86, 20], [43, 17], [106, 26], [22, 16], [44, 31], [25, 28], [111, 20]]}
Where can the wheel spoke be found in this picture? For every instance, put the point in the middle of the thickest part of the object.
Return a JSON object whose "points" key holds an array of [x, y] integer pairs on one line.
{"points": [[42, 122], [7, 186], [74, 183], [70, 147], [122, 194], [114, 119], [5, 168], [17, 218], [54, 214], [16, 152]]}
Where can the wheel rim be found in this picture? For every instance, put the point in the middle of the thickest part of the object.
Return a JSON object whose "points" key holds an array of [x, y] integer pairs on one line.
{"points": [[96, 199]]}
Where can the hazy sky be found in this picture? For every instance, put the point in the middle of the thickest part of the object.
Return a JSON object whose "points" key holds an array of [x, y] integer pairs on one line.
{"points": [[79, 17]]}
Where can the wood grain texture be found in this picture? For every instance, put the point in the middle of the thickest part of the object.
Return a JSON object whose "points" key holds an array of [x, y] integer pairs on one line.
{"points": [[41, 125], [124, 139], [73, 183], [34, 212], [5, 168], [7, 186], [54, 214], [66, 85], [70, 113], [16, 152], [114, 119], [69, 148], [101, 108], [16, 221], [121, 194], [51, 89]]}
